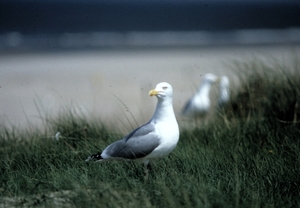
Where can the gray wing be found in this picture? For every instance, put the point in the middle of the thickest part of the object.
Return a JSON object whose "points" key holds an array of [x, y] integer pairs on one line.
{"points": [[139, 143], [187, 107]]}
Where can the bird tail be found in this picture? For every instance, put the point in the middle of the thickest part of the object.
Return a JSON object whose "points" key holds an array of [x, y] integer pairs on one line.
{"points": [[95, 157]]}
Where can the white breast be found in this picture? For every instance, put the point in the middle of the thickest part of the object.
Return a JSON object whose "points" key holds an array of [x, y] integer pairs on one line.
{"points": [[169, 132]]}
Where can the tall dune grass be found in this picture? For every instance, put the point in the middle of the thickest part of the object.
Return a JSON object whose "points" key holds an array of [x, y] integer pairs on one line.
{"points": [[247, 156]]}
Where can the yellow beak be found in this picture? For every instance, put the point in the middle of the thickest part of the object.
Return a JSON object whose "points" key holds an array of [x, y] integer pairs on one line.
{"points": [[153, 92]]}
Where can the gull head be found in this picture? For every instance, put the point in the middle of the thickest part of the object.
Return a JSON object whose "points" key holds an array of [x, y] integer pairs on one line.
{"points": [[224, 82], [211, 78], [162, 90]]}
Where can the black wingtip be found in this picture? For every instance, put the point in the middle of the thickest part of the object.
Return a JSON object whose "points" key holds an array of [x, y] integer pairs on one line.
{"points": [[94, 157]]}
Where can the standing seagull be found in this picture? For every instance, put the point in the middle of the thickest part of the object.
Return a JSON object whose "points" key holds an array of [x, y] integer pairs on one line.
{"points": [[199, 104], [224, 91], [155, 139]]}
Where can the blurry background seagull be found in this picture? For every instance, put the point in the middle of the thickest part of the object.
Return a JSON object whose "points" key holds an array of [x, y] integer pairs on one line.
{"points": [[224, 93], [199, 104], [155, 139]]}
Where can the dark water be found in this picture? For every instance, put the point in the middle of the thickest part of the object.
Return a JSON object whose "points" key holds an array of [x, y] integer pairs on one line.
{"points": [[67, 16], [68, 24], [15, 41]]}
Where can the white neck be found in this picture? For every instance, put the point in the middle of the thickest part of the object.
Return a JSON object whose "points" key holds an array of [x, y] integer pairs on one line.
{"points": [[224, 94], [164, 110], [204, 89]]}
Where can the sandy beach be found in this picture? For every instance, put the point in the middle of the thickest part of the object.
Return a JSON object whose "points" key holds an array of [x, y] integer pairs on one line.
{"points": [[109, 85]]}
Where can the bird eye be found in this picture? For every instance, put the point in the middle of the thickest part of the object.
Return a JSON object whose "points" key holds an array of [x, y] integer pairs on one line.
{"points": [[165, 88]]}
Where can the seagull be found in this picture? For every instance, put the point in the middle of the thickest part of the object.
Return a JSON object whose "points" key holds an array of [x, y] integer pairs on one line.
{"points": [[199, 104], [153, 140], [224, 91]]}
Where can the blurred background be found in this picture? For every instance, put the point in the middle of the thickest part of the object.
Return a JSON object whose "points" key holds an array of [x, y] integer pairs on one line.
{"points": [[100, 58], [53, 24]]}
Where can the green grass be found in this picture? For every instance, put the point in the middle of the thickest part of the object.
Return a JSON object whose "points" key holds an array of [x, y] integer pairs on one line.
{"points": [[247, 156]]}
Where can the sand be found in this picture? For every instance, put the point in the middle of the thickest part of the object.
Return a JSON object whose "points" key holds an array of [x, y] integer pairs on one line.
{"points": [[110, 85]]}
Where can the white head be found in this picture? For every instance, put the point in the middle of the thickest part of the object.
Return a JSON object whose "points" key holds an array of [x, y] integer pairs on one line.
{"points": [[210, 78], [224, 82], [162, 90], [164, 109]]}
